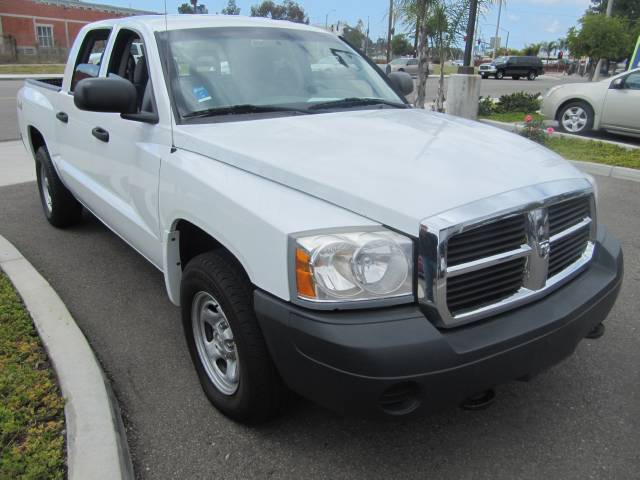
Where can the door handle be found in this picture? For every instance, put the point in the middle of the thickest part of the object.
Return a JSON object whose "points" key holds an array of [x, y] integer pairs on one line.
{"points": [[101, 134], [63, 117]]}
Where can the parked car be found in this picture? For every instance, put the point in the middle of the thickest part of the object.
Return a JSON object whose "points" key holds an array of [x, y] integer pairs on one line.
{"points": [[612, 104], [409, 65], [512, 66], [318, 233]]}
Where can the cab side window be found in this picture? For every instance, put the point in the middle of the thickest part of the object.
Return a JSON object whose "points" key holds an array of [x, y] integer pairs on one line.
{"points": [[129, 61], [90, 56]]}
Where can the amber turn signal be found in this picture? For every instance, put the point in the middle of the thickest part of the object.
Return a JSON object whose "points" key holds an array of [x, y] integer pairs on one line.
{"points": [[304, 277]]}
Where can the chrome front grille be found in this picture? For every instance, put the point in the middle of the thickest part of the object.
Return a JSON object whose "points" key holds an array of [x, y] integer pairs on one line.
{"points": [[497, 237], [477, 263], [486, 286]]}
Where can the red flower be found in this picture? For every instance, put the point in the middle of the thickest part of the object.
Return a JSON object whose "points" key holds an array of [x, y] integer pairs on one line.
{"points": [[550, 130], [528, 119]]}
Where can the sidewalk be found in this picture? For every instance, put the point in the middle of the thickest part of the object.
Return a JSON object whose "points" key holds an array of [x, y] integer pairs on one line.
{"points": [[16, 166]]}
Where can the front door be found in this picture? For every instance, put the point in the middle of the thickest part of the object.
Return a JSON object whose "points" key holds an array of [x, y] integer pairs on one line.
{"points": [[622, 105]]}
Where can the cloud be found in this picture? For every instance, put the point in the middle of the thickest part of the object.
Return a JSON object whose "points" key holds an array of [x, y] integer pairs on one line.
{"points": [[513, 18], [554, 27]]}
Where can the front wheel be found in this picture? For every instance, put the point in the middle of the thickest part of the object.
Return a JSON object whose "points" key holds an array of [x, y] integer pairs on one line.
{"points": [[226, 344], [531, 76], [576, 117], [484, 76], [499, 74], [60, 208]]}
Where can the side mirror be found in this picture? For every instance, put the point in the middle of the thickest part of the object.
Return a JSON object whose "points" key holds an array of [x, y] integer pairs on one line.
{"points": [[617, 84], [402, 82], [113, 95]]}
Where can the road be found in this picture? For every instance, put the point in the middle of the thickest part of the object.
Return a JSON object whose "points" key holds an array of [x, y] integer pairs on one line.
{"points": [[579, 420]]}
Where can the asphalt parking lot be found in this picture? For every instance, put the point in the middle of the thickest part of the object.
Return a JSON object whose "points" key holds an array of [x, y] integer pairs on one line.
{"points": [[579, 420]]}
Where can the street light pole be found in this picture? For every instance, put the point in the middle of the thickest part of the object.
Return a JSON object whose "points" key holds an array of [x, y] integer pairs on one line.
{"points": [[495, 39], [468, 67], [389, 31]]}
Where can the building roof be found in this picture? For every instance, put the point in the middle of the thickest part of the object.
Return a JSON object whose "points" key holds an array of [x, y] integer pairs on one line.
{"points": [[81, 4]]}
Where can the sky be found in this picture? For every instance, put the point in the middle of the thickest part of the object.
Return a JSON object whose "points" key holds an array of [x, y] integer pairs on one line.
{"points": [[527, 21]]}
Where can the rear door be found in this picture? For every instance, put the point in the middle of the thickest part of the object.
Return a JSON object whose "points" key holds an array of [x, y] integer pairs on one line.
{"points": [[117, 161], [412, 66], [71, 162], [622, 105]]}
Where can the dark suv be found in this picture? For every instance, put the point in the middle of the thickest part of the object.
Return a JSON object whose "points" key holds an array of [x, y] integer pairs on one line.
{"points": [[514, 67]]}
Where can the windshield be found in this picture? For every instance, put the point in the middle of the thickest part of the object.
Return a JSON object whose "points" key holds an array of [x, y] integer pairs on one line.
{"points": [[213, 69]]}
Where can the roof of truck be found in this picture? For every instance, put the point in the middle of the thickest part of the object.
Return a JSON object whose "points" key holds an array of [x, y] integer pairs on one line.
{"points": [[176, 22]]}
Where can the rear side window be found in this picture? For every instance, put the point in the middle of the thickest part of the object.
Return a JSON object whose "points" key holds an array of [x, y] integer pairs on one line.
{"points": [[90, 55]]}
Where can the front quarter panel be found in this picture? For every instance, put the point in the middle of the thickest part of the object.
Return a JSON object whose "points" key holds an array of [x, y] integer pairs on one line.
{"points": [[249, 215]]}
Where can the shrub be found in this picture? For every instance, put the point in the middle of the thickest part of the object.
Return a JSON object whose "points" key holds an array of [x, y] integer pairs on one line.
{"points": [[534, 129], [518, 102], [486, 106]]}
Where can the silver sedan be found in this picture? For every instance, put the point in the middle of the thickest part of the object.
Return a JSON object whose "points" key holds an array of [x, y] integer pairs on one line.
{"points": [[612, 104]]}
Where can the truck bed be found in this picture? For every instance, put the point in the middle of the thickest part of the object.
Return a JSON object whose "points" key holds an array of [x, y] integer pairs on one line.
{"points": [[53, 83]]}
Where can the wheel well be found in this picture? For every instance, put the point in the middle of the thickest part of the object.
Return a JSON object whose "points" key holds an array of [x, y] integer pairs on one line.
{"points": [[194, 241], [573, 100], [36, 139]]}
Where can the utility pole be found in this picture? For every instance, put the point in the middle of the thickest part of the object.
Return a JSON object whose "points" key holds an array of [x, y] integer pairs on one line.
{"points": [[468, 67], [366, 40], [389, 32], [495, 39], [596, 75]]}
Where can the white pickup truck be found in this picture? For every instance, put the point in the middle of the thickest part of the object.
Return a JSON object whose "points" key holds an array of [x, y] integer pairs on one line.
{"points": [[319, 234]]}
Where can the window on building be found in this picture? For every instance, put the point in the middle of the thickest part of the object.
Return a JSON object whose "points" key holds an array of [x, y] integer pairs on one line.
{"points": [[45, 36]]}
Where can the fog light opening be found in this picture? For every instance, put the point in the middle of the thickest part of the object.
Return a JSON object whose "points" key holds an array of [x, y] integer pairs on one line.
{"points": [[400, 399]]}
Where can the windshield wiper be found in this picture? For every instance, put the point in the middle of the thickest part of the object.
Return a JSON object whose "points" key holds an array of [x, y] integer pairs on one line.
{"points": [[241, 109], [356, 102]]}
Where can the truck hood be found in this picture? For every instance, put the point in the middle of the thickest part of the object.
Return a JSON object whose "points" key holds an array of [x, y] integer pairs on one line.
{"points": [[393, 166]]}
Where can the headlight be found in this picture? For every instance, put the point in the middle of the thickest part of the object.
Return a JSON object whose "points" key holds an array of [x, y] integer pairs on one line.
{"points": [[353, 266]]}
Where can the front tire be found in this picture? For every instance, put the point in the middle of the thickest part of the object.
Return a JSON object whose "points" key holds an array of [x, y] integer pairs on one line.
{"points": [[499, 75], [60, 208], [225, 342], [576, 117], [531, 76]]}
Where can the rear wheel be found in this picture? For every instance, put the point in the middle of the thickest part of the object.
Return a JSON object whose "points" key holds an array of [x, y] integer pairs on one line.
{"points": [[499, 74], [532, 75], [576, 117], [225, 341], [58, 204]]}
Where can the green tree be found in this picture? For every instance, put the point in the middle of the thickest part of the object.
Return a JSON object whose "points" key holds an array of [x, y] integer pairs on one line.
{"points": [[231, 8], [532, 50], [599, 37], [621, 8], [400, 45], [185, 8], [356, 36], [288, 10]]}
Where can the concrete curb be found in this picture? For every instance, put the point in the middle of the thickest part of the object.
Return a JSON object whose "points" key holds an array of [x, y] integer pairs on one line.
{"points": [[621, 173], [96, 444], [514, 127], [20, 76]]}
